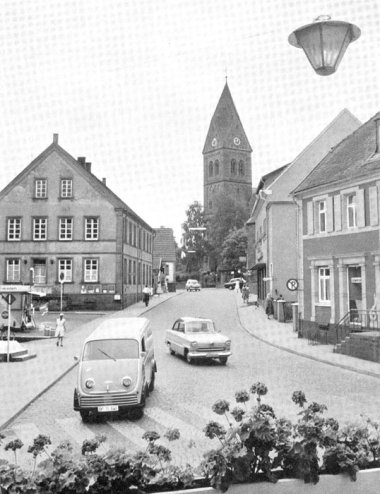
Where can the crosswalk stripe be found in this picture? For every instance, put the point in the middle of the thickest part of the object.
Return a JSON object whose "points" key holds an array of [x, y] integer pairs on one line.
{"points": [[131, 431], [76, 429]]}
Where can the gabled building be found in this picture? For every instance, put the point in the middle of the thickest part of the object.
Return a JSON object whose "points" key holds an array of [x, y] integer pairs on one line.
{"points": [[227, 167], [272, 227], [339, 242], [61, 223], [164, 258]]}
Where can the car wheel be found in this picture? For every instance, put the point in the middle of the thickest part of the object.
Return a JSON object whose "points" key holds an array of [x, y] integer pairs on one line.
{"points": [[146, 392], [188, 358], [223, 360], [230, 287], [135, 413], [172, 352], [151, 385], [85, 414]]}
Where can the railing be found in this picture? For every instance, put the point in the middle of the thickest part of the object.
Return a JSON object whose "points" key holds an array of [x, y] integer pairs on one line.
{"points": [[357, 321]]}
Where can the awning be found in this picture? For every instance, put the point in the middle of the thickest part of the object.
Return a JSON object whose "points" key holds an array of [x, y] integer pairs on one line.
{"points": [[258, 265]]}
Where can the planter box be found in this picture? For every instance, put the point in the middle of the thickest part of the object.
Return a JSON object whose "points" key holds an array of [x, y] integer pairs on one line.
{"points": [[367, 482]]}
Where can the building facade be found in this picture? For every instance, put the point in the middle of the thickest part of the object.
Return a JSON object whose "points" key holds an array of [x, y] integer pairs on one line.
{"points": [[274, 257], [164, 259], [59, 223], [227, 167], [339, 224]]}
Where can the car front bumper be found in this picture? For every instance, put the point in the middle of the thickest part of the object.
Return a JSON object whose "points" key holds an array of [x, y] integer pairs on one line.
{"points": [[211, 354]]}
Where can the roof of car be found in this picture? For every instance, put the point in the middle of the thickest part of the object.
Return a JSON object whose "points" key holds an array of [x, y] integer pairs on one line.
{"points": [[189, 319], [119, 327]]}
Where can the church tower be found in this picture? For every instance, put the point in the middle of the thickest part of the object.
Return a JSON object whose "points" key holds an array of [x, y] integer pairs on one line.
{"points": [[226, 156]]}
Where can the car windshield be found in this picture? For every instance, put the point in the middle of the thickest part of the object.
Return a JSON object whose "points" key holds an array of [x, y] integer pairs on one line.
{"points": [[200, 327], [111, 349], [192, 282]]}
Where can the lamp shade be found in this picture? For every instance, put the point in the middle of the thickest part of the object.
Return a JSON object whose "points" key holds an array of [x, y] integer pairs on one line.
{"points": [[324, 42]]}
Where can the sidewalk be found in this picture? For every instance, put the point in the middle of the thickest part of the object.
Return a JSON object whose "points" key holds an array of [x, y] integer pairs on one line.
{"points": [[281, 335], [22, 383]]}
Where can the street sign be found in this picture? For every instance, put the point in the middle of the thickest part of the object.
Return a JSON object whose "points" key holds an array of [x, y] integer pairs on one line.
{"points": [[8, 297], [14, 288], [4, 314], [292, 284]]}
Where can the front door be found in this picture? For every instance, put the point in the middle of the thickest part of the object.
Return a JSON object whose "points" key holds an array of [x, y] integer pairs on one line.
{"points": [[355, 292]]}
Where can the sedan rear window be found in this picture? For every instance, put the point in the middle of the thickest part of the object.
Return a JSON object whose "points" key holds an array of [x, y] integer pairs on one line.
{"points": [[111, 349], [200, 327]]}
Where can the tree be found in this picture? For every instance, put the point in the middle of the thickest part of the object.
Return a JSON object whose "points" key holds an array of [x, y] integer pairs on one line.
{"points": [[195, 245], [228, 215], [233, 249]]}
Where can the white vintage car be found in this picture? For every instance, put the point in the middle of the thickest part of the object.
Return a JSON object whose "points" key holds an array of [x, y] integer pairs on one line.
{"points": [[197, 338]]}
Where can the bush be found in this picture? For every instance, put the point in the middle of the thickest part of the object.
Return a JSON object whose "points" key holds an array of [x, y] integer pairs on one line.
{"points": [[255, 444]]}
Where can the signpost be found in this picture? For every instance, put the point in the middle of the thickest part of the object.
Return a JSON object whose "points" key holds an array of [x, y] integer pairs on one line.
{"points": [[6, 314]]}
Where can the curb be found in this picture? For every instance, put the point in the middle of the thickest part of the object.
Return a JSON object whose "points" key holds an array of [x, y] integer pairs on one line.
{"points": [[63, 374], [306, 355]]}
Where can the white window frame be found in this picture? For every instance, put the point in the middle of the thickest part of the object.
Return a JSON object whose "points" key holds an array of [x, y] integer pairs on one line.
{"points": [[13, 270], [40, 226], [324, 288], [40, 188], [91, 270], [322, 216], [66, 188], [66, 229], [14, 229], [91, 228], [65, 266], [351, 211]]}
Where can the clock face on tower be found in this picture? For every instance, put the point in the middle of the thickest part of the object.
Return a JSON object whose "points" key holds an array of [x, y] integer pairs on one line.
{"points": [[236, 141], [214, 142]]}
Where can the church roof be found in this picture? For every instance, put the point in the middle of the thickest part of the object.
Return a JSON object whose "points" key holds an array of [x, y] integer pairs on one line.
{"points": [[226, 129]]}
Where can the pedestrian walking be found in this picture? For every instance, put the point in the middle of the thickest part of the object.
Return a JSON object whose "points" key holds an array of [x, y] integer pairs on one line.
{"points": [[146, 294], [245, 294], [60, 328], [268, 305], [237, 286]]}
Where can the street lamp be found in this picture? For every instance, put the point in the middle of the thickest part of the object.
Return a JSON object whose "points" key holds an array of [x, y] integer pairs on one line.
{"points": [[324, 42]]}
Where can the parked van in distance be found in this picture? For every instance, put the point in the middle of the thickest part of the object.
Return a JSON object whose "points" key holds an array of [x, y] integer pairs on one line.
{"points": [[116, 370]]}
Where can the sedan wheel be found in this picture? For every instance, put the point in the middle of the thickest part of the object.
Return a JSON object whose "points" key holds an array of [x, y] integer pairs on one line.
{"points": [[85, 415], [231, 288], [151, 385], [172, 352], [223, 360]]}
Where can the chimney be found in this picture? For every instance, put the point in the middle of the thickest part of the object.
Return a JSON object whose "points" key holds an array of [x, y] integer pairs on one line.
{"points": [[377, 123], [104, 180], [82, 161], [55, 138], [88, 167]]}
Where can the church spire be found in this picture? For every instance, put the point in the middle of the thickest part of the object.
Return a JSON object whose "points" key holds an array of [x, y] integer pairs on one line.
{"points": [[226, 128]]}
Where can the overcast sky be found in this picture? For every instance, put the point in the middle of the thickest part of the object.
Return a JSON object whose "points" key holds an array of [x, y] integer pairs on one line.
{"points": [[132, 85]]}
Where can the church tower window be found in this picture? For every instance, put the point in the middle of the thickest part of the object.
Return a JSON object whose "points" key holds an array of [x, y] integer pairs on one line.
{"points": [[210, 169], [216, 167], [241, 167], [233, 167]]}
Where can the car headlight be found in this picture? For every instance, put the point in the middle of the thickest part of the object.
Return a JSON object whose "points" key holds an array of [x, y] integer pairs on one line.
{"points": [[90, 383], [126, 381], [194, 344], [228, 344]]}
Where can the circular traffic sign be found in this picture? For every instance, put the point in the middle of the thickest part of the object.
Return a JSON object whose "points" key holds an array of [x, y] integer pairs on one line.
{"points": [[292, 284], [4, 314]]}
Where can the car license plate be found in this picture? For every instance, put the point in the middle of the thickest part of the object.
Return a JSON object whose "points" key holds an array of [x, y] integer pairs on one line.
{"points": [[108, 408]]}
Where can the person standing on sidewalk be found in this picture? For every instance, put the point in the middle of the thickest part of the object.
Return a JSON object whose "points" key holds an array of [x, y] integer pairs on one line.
{"points": [[60, 329], [268, 305], [146, 295]]}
